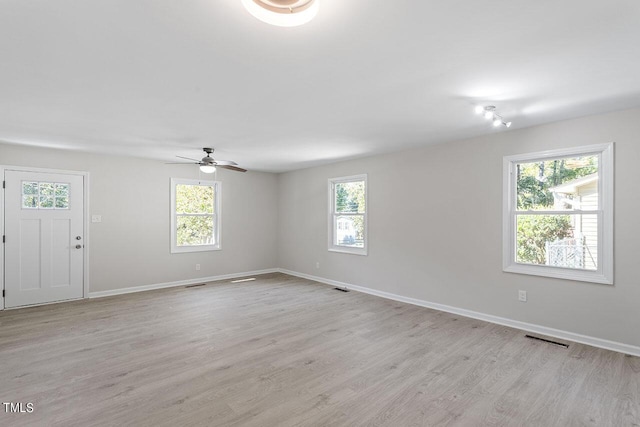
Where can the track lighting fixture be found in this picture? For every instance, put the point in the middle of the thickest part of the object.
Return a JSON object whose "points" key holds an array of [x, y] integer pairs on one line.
{"points": [[489, 113]]}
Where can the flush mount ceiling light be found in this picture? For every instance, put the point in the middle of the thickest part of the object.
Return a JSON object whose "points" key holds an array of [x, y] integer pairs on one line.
{"points": [[489, 113], [283, 13]]}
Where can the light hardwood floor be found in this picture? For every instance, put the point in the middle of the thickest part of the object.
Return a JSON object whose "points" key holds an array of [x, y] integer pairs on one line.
{"points": [[283, 351]]}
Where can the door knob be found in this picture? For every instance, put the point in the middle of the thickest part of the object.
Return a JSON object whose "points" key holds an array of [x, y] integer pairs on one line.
{"points": [[78, 246]]}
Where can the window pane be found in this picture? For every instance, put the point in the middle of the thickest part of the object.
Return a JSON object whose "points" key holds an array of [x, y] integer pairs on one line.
{"points": [[350, 197], [560, 184], [62, 202], [62, 190], [569, 241], [30, 202], [194, 230], [46, 202], [46, 189], [349, 231], [194, 199], [29, 188]]}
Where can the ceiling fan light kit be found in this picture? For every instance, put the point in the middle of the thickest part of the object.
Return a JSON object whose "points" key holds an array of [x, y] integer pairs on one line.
{"points": [[283, 13], [207, 168], [489, 113]]}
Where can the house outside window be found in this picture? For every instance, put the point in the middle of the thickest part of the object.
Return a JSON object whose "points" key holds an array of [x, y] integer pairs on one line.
{"points": [[195, 215], [558, 214], [348, 214]]}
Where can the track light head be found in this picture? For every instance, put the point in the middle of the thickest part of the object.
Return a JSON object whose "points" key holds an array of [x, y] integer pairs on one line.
{"points": [[489, 113]]}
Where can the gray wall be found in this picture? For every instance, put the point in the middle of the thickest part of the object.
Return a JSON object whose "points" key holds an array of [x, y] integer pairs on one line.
{"points": [[435, 229], [131, 246]]}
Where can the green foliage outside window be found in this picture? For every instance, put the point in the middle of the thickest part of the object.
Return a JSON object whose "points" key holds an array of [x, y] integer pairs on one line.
{"points": [[195, 215], [534, 181], [534, 231], [194, 199]]}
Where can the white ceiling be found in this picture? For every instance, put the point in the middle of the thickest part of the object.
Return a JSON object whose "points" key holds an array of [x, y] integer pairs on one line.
{"points": [[159, 78]]}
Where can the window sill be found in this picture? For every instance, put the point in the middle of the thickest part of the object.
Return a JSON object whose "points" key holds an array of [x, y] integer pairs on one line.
{"points": [[560, 273], [347, 250], [187, 249]]}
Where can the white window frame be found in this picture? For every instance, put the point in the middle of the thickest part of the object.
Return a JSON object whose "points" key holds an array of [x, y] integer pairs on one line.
{"points": [[217, 188], [604, 273], [332, 214]]}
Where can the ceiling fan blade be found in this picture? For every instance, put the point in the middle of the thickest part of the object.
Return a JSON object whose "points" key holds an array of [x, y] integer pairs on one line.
{"points": [[233, 168], [225, 163], [188, 158], [182, 163]]}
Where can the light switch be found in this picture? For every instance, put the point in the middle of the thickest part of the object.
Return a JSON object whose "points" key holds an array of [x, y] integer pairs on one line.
{"points": [[96, 218]]}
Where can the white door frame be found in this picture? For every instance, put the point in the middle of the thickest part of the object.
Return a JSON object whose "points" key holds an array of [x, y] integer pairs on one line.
{"points": [[85, 221]]}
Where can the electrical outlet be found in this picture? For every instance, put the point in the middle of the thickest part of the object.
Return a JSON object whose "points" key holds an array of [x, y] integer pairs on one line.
{"points": [[197, 267], [317, 264], [522, 296]]}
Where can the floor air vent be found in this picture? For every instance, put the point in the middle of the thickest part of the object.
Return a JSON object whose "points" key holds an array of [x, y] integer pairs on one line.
{"points": [[195, 286], [342, 289], [548, 341]]}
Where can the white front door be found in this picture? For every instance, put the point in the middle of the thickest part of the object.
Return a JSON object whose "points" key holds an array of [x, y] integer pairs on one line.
{"points": [[44, 231]]}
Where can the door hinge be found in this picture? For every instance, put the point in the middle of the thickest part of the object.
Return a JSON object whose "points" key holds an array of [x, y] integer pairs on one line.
{"points": [[4, 238], [3, 291], [4, 184]]}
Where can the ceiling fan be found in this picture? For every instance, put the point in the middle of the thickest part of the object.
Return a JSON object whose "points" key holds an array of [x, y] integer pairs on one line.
{"points": [[208, 164]]}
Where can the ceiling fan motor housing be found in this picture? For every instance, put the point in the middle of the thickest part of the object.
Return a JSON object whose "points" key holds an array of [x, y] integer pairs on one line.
{"points": [[208, 160]]}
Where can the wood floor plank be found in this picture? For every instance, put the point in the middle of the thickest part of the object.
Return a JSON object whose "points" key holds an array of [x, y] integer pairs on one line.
{"points": [[284, 351]]}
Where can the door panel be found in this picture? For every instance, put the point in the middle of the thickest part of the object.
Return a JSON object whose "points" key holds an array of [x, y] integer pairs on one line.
{"points": [[29, 261], [60, 256], [44, 216]]}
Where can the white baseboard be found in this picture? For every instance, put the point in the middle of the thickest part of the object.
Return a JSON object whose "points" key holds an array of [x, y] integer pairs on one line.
{"points": [[187, 282], [529, 327]]}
